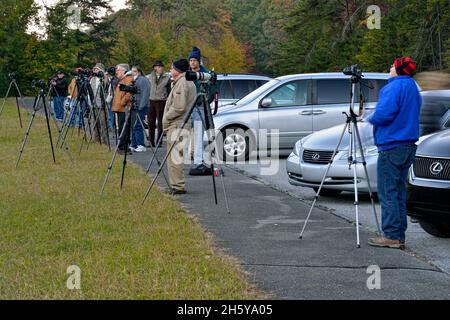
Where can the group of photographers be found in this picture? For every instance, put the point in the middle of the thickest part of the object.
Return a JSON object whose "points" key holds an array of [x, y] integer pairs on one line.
{"points": [[163, 97]]}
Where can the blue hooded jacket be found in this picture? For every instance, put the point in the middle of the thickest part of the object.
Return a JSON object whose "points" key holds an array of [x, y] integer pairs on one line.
{"points": [[396, 117]]}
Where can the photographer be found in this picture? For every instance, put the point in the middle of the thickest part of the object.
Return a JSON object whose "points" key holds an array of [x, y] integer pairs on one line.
{"points": [[59, 93], [122, 103], [99, 78], [142, 102], [180, 99], [160, 89], [396, 129], [198, 116]]}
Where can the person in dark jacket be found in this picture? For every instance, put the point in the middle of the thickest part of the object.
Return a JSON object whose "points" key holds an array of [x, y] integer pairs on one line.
{"points": [[396, 130], [142, 103], [201, 166], [59, 94]]}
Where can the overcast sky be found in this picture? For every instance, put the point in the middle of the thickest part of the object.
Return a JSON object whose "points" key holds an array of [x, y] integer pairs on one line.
{"points": [[115, 4]]}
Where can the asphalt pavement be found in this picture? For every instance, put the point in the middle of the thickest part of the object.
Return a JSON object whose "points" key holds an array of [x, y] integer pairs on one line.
{"points": [[262, 232]]}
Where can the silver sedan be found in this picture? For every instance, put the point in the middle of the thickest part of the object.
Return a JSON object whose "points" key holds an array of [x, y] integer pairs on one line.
{"points": [[307, 163]]}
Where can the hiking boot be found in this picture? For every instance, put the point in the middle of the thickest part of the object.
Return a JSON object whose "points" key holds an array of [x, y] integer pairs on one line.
{"points": [[384, 242], [200, 170], [178, 192]]}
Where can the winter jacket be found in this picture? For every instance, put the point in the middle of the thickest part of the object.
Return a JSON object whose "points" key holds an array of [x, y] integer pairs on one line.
{"points": [[73, 90], [180, 99], [159, 87], [142, 98], [396, 117], [95, 84], [60, 88], [122, 99]]}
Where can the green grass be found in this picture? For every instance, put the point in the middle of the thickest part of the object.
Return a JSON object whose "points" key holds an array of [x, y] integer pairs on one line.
{"points": [[52, 217]]}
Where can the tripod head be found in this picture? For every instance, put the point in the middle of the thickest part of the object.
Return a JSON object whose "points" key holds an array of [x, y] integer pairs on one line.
{"points": [[12, 76]]}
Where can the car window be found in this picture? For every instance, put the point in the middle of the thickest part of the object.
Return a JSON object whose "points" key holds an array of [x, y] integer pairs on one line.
{"points": [[226, 91], [253, 95], [371, 95], [291, 94], [433, 112], [333, 91], [241, 88]]}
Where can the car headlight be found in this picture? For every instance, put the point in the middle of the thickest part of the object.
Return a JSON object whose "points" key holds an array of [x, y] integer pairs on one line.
{"points": [[297, 147], [369, 151]]}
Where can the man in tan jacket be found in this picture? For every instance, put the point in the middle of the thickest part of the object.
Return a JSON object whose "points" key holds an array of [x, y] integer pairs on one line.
{"points": [[122, 104], [180, 99]]}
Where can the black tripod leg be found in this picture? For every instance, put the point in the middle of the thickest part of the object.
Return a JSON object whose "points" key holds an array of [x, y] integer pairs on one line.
{"points": [[18, 111], [48, 129], [108, 172], [187, 117], [27, 133], [154, 153], [130, 116]]}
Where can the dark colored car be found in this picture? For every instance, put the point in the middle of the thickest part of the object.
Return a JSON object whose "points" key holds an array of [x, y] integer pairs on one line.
{"points": [[429, 185]]}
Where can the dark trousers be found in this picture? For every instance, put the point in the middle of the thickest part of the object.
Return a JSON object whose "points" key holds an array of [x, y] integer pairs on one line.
{"points": [[125, 138], [155, 112], [393, 167]]}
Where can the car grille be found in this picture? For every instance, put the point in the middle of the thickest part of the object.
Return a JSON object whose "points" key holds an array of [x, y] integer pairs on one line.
{"points": [[317, 157], [423, 168]]}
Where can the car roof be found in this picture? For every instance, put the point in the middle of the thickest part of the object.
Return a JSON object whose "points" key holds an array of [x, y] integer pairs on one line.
{"points": [[436, 93], [331, 75], [242, 76]]}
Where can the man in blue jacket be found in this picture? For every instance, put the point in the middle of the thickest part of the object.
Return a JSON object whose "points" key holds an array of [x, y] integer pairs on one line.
{"points": [[396, 129]]}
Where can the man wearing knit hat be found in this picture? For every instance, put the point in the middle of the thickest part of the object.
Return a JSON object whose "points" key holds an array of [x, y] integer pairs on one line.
{"points": [[198, 116], [180, 99], [396, 129]]}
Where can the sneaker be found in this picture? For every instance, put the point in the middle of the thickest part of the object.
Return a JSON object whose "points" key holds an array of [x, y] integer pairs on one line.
{"points": [[140, 149], [386, 243], [200, 170]]}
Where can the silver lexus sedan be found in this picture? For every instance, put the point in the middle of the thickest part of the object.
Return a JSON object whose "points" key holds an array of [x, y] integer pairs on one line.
{"points": [[307, 163]]}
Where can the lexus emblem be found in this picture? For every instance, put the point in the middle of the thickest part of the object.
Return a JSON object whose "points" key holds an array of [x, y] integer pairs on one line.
{"points": [[316, 157], [436, 168]]}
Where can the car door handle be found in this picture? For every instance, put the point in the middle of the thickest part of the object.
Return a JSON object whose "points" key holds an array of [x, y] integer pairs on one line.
{"points": [[305, 113], [318, 112]]}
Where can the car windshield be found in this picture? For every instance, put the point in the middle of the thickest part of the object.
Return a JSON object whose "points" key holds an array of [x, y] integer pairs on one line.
{"points": [[253, 95]]}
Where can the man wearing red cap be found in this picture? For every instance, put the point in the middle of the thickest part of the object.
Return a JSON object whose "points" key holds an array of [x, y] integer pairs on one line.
{"points": [[396, 130]]}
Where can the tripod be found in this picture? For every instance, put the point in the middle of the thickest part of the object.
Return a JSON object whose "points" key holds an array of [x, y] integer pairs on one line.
{"points": [[40, 97], [13, 85], [210, 130], [98, 120], [128, 126], [355, 145]]}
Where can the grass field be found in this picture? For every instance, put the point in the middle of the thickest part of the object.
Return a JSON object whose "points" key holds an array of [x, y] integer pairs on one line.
{"points": [[52, 217]]}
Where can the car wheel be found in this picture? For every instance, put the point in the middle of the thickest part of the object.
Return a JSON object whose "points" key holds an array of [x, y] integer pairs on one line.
{"points": [[328, 192], [236, 144], [441, 230]]}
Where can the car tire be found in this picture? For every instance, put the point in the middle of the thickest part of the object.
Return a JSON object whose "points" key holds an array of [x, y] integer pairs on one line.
{"points": [[235, 144], [328, 192], [441, 230]]}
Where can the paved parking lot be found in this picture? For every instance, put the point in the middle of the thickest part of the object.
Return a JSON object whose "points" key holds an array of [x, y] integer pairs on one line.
{"points": [[435, 250]]}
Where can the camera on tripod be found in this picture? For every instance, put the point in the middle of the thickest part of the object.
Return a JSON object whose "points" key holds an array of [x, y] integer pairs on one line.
{"points": [[38, 84], [99, 74], [133, 89], [82, 73], [204, 77], [111, 71], [13, 76], [354, 71]]}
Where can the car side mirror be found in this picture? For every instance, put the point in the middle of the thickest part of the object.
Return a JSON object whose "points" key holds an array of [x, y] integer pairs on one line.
{"points": [[266, 103]]}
